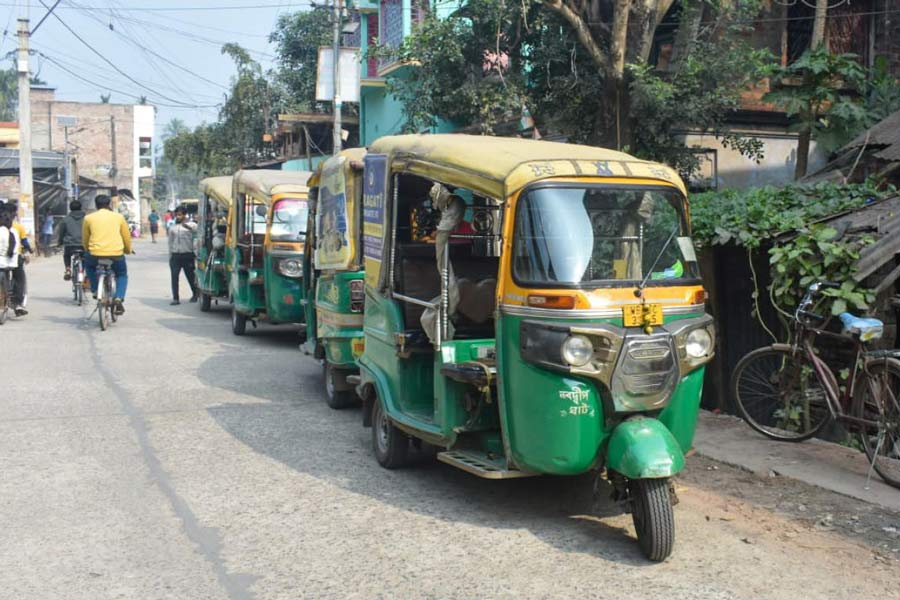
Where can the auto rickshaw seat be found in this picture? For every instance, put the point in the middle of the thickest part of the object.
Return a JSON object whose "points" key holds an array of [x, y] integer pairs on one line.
{"points": [[478, 373], [417, 276]]}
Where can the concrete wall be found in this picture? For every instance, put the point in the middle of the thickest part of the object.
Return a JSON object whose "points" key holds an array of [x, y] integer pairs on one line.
{"points": [[776, 167]]}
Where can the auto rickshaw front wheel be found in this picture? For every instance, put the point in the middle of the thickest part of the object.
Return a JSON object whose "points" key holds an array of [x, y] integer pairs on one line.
{"points": [[390, 444], [654, 519]]}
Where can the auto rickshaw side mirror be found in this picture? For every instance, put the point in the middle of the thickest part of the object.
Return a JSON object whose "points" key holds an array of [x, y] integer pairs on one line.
{"points": [[260, 210]]}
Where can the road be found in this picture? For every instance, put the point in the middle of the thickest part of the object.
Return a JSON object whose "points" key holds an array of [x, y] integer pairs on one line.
{"points": [[167, 458]]}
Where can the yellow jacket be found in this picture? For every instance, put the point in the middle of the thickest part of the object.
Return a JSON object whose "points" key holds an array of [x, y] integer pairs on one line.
{"points": [[23, 236], [105, 233]]}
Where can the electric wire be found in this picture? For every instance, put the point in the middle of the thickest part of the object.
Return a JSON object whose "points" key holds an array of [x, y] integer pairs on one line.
{"points": [[110, 63]]}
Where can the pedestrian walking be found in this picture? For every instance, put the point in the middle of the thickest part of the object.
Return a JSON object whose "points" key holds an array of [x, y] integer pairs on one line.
{"points": [[154, 224], [46, 234], [70, 235], [19, 296], [181, 253]]}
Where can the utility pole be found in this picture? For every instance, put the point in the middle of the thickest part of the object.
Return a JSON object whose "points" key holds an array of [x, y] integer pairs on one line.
{"points": [[26, 175], [336, 59], [67, 166]]}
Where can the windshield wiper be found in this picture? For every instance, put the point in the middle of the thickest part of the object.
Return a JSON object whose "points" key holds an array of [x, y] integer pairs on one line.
{"points": [[640, 288]]}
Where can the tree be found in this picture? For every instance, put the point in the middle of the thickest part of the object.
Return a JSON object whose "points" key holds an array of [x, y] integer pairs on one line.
{"points": [[819, 89], [9, 94], [297, 38], [243, 116], [588, 69]]}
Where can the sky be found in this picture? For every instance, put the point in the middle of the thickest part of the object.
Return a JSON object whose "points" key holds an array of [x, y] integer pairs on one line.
{"points": [[167, 50]]}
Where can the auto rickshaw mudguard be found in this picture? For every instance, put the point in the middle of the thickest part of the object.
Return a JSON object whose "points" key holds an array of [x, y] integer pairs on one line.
{"points": [[643, 448]]}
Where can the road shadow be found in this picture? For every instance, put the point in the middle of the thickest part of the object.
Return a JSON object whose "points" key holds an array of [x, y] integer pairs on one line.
{"points": [[295, 427]]}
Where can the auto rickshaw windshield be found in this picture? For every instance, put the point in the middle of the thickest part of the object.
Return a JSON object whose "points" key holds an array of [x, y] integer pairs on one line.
{"points": [[588, 235], [289, 217]]}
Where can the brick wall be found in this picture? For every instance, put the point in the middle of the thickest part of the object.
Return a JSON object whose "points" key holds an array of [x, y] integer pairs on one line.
{"points": [[90, 139]]}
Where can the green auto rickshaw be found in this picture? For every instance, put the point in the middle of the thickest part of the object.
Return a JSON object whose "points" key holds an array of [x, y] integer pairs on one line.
{"points": [[533, 308], [333, 273], [264, 252], [209, 241]]}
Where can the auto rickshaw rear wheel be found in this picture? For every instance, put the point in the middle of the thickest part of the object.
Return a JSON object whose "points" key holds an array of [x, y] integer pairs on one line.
{"points": [[654, 519], [336, 399], [390, 444], [238, 322], [205, 302]]}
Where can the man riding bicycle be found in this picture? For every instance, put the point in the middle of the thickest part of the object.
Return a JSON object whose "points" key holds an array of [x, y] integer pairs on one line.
{"points": [[105, 234], [70, 235]]}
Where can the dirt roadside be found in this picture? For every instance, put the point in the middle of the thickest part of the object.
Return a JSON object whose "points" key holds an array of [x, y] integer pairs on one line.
{"points": [[733, 494]]}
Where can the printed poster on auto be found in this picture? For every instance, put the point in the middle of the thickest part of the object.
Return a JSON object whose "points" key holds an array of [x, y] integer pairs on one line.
{"points": [[334, 245], [374, 202]]}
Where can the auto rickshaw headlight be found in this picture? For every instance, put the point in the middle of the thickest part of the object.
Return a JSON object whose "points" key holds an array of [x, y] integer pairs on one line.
{"points": [[698, 343], [290, 267], [577, 350]]}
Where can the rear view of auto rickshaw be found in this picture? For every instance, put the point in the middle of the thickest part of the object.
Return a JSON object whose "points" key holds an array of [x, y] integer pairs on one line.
{"points": [[267, 232], [212, 227], [333, 273], [533, 308]]}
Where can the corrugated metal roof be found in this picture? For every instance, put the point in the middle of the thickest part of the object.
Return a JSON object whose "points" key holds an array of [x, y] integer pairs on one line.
{"points": [[883, 136]]}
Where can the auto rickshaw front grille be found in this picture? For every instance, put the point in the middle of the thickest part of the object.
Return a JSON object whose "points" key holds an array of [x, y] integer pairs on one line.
{"points": [[646, 374]]}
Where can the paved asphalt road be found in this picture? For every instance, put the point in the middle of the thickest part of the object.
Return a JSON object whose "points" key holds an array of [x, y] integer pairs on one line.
{"points": [[167, 458]]}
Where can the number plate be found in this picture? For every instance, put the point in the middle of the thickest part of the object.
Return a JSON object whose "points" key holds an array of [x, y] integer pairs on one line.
{"points": [[357, 346], [639, 315]]}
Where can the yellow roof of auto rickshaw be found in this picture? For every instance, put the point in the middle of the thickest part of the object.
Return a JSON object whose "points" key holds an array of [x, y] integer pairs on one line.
{"points": [[218, 189], [499, 167], [349, 153], [265, 183]]}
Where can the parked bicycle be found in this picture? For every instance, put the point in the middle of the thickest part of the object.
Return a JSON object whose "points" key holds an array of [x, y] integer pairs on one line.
{"points": [[5, 291], [788, 392], [76, 268], [106, 287]]}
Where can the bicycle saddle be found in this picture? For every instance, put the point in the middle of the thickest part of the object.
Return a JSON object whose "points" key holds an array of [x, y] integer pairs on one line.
{"points": [[866, 329], [105, 262]]}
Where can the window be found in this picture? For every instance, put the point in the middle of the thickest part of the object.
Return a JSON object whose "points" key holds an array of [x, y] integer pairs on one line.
{"points": [[581, 236], [289, 220], [145, 153]]}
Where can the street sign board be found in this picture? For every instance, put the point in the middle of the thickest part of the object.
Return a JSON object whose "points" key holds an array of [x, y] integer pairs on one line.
{"points": [[349, 73]]}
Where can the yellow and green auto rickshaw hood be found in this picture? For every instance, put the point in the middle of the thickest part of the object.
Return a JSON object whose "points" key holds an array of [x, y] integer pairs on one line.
{"points": [[499, 167]]}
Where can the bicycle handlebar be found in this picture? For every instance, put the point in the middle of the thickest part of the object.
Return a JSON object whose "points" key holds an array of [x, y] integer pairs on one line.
{"points": [[812, 291]]}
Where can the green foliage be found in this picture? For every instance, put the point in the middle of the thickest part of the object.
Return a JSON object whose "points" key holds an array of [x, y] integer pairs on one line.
{"points": [[455, 80], [698, 93], [752, 216], [9, 94], [785, 220], [297, 38], [816, 254], [546, 69], [819, 89]]}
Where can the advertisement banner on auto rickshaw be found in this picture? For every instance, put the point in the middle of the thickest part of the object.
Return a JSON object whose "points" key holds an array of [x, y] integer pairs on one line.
{"points": [[334, 241], [374, 202]]}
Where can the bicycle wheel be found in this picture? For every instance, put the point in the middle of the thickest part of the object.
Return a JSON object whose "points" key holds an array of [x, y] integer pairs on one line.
{"points": [[877, 399], [102, 301], [778, 395], [110, 293]]}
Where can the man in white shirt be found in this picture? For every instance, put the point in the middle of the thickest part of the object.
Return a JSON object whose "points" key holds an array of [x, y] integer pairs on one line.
{"points": [[181, 253]]}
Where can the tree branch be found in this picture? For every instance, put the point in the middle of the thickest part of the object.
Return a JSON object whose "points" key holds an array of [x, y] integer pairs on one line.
{"points": [[598, 57]]}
